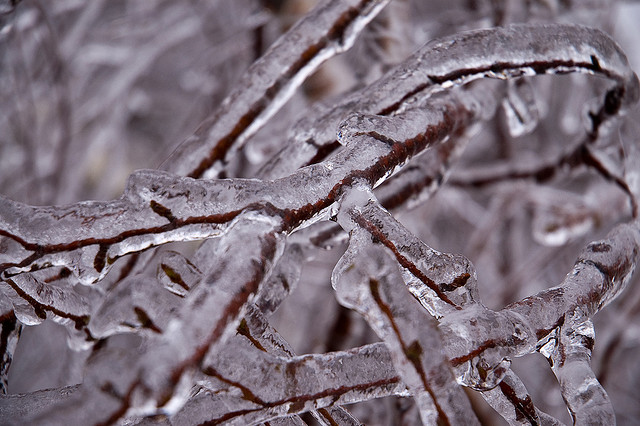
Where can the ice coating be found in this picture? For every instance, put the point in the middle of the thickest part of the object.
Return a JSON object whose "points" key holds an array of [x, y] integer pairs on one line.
{"points": [[278, 381], [407, 331], [39, 301], [480, 353], [188, 338], [228, 286], [570, 361], [486, 53], [272, 80], [147, 306], [440, 281], [512, 400], [256, 328]]}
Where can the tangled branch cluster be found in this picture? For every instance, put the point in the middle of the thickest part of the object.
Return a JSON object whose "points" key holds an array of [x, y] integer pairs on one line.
{"points": [[186, 299]]}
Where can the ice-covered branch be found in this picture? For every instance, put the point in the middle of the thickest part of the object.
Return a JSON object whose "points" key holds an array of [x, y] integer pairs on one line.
{"points": [[194, 334], [518, 50], [479, 342], [90, 236], [569, 354], [272, 80], [370, 282], [285, 386]]}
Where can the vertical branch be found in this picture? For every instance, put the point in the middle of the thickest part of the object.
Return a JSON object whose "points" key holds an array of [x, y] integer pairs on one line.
{"points": [[368, 280], [569, 354]]}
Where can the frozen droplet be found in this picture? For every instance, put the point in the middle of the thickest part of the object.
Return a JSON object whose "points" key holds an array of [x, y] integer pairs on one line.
{"points": [[485, 373]]}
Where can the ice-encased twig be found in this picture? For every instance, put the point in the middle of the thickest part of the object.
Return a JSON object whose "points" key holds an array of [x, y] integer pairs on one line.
{"points": [[411, 186], [368, 280], [582, 155], [209, 314], [330, 29], [442, 282], [430, 117], [157, 207], [44, 301], [256, 328], [501, 53], [282, 282], [569, 354], [272, 386], [288, 385]]}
